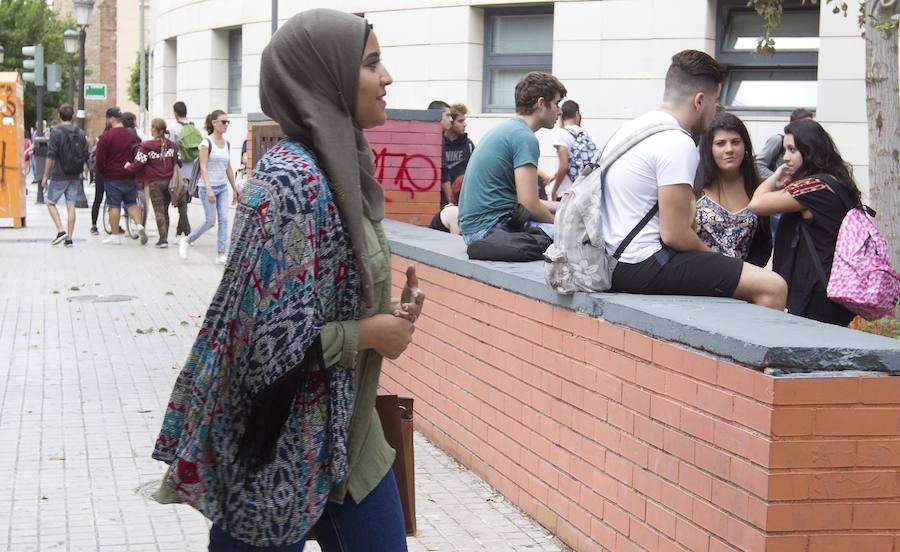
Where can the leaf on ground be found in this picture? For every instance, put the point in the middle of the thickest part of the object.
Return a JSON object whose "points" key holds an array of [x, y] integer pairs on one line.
{"points": [[163, 330], [55, 292], [169, 293], [74, 288], [142, 331], [184, 323]]}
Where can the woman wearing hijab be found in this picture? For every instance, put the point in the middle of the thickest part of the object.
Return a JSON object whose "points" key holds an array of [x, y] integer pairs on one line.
{"points": [[271, 430]]}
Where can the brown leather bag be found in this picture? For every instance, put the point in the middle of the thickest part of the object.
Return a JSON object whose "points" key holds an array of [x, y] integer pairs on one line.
{"points": [[396, 414]]}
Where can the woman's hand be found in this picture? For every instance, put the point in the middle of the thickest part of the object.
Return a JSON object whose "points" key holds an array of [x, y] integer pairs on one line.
{"points": [[386, 334], [783, 176], [412, 299], [210, 196]]}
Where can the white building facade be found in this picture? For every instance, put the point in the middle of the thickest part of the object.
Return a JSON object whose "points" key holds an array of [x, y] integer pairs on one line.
{"points": [[611, 55]]}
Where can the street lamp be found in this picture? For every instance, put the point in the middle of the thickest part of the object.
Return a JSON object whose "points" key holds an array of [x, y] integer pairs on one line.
{"points": [[70, 42], [83, 10]]}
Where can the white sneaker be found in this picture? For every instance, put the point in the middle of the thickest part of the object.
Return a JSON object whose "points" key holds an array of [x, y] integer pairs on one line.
{"points": [[222, 259], [142, 234], [183, 245], [113, 240]]}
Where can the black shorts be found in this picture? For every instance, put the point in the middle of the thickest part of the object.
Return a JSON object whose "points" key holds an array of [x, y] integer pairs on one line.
{"points": [[669, 272]]}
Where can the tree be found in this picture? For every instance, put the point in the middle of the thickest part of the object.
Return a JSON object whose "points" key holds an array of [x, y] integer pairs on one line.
{"points": [[134, 83], [27, 22], [879, 20]]}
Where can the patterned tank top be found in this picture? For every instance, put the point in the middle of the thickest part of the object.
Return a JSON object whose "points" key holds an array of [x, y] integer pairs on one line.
{"points": [[728, 233]]}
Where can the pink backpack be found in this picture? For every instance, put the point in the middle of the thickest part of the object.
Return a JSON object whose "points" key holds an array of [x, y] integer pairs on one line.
{"points": [[862, 278]]}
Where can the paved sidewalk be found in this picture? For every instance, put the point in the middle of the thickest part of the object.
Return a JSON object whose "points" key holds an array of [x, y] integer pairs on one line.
{"points": [[91, 339]]}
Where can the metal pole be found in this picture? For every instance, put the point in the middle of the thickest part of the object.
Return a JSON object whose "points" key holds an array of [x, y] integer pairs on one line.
{"points": [[39, 113], [82, 37], [71, 79], [39, 124], [143, 93], [274, 16]]}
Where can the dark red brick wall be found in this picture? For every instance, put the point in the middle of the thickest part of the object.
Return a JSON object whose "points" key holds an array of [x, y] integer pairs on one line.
{"points": [[615, 440]]}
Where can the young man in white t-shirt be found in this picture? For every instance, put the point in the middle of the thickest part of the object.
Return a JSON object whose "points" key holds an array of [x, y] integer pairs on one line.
{"points": [[564, 137], [666, 257]]}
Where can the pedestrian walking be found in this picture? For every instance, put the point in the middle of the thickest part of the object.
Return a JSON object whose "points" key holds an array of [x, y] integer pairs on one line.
{"points": [[113, 151], [63, 171], [215, 176], [258, 433], [154, 162], [188, 138]]}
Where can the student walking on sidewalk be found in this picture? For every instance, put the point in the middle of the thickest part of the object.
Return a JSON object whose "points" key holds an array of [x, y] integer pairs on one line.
{"points": [[216, 174], [65, 165], [271, 429], [154, 162]]}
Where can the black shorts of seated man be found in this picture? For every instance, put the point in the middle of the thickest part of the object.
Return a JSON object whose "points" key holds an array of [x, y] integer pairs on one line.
{"points": [[502, 172], [667, 257]]}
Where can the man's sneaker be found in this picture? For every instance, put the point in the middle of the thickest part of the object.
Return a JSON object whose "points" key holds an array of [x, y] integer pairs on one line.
{"points": [[142, 234], [94, 231], [183, 245], [162, 244], [58, 239], [221, 259], [68, 243], [113, 240]]}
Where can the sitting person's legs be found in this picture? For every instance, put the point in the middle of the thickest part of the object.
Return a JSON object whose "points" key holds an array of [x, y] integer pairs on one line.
{"points": [[701, 273]]}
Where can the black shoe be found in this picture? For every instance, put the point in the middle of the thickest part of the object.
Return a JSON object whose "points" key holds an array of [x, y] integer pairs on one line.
{"points": [[58, 239], [162, 244], [94, 231], [68, 243]]}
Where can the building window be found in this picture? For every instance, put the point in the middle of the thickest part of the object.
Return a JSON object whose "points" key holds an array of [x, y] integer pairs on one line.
{"points": [[780, 82], [516, 41], [234, 70]]}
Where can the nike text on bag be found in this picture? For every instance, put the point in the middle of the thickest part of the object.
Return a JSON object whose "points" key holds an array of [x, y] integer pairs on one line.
{"points": [[577, 260], [189, 143], [581, 153], [72, 152], [862, 280]]}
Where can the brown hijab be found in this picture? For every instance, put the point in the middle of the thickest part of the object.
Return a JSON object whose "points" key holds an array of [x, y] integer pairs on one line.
{"points": [[309, 78]]}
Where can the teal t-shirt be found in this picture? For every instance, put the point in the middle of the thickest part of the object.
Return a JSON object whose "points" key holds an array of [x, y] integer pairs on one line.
{"points": [[489, 189]]}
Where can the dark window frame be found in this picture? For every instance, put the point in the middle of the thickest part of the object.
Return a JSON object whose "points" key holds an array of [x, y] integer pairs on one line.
{"points": [[529, 62], [787, 63]]}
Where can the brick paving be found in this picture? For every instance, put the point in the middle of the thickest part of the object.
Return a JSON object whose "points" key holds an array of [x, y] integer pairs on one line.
{"points": [[91, 339]]}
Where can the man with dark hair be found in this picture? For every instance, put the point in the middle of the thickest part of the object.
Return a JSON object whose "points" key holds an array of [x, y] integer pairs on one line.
{"points": [[503, 172], [113, 152], [187, 167], [456, 150], [65, 171], [574, 148], [648, 190]]}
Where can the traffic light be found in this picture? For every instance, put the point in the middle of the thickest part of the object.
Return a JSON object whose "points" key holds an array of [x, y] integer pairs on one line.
{"points": [[36, 65], [54, 77]]}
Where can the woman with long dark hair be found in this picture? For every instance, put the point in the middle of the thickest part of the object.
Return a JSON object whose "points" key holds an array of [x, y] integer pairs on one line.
{"points": [[271, 430], [725, 182], [814, 189]]}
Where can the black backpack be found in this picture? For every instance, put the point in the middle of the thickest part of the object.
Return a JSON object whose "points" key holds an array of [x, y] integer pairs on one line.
{"points": [[72, 151]]}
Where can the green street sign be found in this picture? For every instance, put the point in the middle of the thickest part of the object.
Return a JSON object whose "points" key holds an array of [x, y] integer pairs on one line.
{"points": [[94, 91]]}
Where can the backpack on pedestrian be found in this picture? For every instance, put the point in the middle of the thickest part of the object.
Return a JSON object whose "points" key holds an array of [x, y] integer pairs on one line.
{"points": [[73, 151], [189, 143], [196, 176], [577, 259], [581, 153], [862, 280]]}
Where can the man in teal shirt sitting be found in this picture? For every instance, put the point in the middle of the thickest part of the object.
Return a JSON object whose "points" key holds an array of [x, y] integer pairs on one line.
{"points": [[503, 169]]}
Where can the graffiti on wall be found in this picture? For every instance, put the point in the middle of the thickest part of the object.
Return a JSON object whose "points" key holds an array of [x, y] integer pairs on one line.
{"points": [[408, 172]]}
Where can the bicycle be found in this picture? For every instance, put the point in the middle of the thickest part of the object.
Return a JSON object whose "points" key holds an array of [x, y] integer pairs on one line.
{"points": [[130, 224]]}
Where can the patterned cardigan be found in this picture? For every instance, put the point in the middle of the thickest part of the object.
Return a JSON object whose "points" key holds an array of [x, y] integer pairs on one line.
{"points": [[290, 270]]}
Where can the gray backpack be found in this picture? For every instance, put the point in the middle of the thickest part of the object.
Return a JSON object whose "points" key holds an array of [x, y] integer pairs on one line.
{"points": [[577, 260]]}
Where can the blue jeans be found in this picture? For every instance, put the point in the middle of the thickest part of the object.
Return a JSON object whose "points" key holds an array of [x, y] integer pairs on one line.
{"points": [[374, 525], [212, 210], [547, 227]]}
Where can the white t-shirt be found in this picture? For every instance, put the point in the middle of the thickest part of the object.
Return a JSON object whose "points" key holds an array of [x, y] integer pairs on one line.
{"points": [[562, 136], [631, 184]]}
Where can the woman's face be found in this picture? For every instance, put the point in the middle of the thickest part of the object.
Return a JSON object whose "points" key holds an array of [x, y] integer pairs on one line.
{"points": [[728, 150], [793, 159], [373, 81]]}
